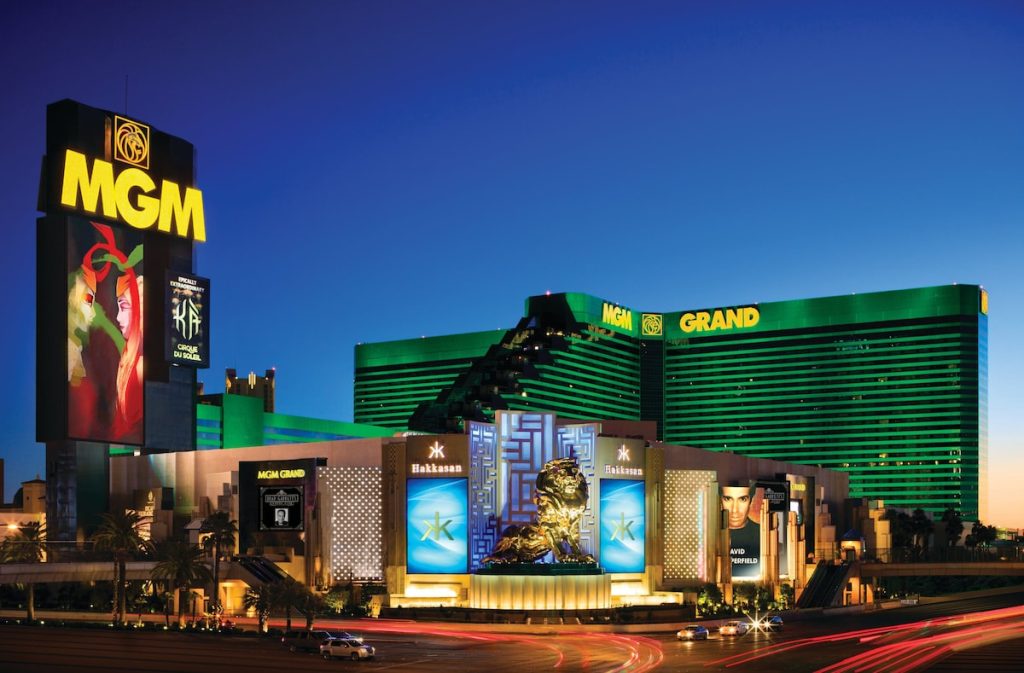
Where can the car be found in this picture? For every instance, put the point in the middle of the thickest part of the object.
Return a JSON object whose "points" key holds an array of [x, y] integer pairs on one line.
{"points": [[346, 648], [309, 641], [734, 628], [692, 632], [773, 623]]}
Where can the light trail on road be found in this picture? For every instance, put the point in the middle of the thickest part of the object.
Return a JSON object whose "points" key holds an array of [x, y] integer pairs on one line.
{"points": [[917, 653], [628, 653], [895, 650]]}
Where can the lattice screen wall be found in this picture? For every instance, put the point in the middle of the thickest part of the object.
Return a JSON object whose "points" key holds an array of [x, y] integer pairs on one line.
{"points": [[526, 442], [354, 502], [581, 441], [686, 521], [483, 491]]}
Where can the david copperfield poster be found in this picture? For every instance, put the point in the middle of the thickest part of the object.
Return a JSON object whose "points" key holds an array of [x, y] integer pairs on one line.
{"points": [[742, 505]]}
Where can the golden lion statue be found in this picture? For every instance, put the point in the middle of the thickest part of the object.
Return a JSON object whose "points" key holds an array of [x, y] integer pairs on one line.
{"points": [[561, 497]]}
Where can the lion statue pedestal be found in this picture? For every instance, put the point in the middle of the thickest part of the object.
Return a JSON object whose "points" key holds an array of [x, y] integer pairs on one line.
{"points": [[545, 586], [511, 578]]}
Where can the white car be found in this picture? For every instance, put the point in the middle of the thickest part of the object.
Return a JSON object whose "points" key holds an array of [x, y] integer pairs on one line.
{"points": [[346, 649], [734, 628]]}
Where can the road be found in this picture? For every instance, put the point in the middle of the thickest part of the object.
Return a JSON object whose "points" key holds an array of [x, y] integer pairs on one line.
{"points": [[950, 635], [917, 638], [107, 651]]}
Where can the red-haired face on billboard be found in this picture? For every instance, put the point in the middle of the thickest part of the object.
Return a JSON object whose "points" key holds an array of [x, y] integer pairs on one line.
{"points": [[105, 332]]}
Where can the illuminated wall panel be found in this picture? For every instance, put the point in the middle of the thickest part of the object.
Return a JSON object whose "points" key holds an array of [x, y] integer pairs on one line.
{"points": [[483, 487], [623, 525], [436, 525], [580, 441], [526, 443], [354, 498], [686, 516]]}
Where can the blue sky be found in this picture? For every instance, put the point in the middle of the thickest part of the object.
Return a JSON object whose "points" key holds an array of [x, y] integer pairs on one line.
{"points": [[376, 170]]}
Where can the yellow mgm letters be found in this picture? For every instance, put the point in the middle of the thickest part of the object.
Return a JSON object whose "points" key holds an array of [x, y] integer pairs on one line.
{"points": [[709, 321], [617, 316], [128, 197]]}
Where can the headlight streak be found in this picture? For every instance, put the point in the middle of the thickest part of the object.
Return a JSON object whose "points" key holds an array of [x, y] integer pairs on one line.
{"points": [[919, 652], [965, 638], [634, 654]]}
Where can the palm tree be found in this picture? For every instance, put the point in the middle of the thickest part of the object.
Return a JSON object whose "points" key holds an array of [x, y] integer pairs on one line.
{"points": [[954, 526], [193, 597], [26, 546], [181, 565], [261, 599], [310, 604], [921, 528], [220, 531], [287, 594], [120, 533], [982, 535], [166, 596], [900, 528]]}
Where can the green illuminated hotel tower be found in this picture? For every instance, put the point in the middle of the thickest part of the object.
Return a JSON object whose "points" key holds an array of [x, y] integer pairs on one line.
{"points": [[888, 386]]}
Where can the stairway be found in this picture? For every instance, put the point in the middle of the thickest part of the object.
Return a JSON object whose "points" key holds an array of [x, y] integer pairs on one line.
{"points": [[482, 389], [261, 570], [826, 585]]}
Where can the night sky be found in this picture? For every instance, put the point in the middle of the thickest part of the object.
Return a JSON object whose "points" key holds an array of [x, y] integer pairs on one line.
{"points": [[376, 170]]}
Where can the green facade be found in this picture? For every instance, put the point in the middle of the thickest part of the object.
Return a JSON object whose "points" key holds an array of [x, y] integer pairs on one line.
{"points": [[888, 386], [393, 378], [240, 421], [595, 377]]}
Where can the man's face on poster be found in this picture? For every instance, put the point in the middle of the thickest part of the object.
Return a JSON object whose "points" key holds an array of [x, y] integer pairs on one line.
{"points": [[736, 501]]}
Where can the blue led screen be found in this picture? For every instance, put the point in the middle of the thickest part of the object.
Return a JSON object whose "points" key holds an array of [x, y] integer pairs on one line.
{"points": [[622, 525], [436, 526]]}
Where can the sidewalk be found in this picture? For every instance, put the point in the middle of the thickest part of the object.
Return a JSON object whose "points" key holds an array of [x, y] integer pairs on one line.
{"points": [[458, 628]]}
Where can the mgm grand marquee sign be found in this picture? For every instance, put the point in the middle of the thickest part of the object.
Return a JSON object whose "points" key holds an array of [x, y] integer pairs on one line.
{"points": [[119, 310], [690, 322], [721, 318]]}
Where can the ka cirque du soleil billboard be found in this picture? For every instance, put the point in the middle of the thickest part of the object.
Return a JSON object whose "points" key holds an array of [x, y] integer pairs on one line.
{"points": [[437, 528], [188, 320], [622, 525], [742, 507], [105, 332]]}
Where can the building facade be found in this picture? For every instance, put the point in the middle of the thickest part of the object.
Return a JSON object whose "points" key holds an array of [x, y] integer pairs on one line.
{"points": [[421, 513], [890, 387], [230, 421], [261, 387]]}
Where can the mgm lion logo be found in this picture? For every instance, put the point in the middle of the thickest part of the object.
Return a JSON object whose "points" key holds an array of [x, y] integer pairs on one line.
{"points": [[561, 497], [651, 324], [131, 142]]}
